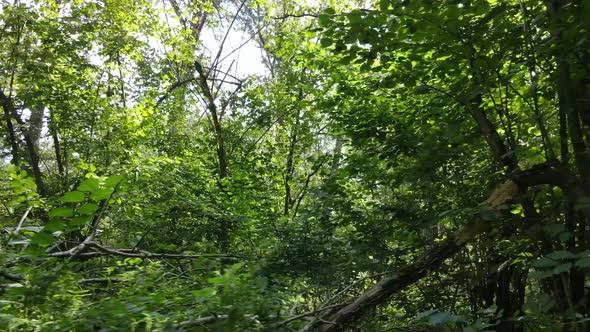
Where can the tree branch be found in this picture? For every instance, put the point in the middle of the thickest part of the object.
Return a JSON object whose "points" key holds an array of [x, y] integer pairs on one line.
{"points": [[104, 251]]}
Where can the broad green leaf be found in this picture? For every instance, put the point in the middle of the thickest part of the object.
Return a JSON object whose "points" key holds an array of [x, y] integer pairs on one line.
{"points": [[81, 220], [89, 208], [204, 293], [100, 194], [583, 262], [544, 262], [325, 20], [89, 185], [73, 197], [61, 212], [562, 268], [221, 280], [326, 42], [540, 275], [439, 318], [561, 255], [583, 203], [113, 181], [43, 238], [54, 225], [425, 314]]}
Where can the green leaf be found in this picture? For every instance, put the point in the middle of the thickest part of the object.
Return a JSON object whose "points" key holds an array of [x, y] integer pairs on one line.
{"points": [[426, 313], [562, 268], [43, 238], [544, 262], [54, 225], [326, 42], [540, 275], [204, 293], [61, 212], [73, 197], [89, 208], [113, 181], [355, 17], [583, 262], [583, 203], [563, 237], [221, 280], [81, 220], [89, 185], [439, 318], [561, 255], [325, 20], [99, 195]]}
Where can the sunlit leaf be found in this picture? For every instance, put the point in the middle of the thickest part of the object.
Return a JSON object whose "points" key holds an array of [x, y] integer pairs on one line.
{"points": [[61, 212], [73, 197], [89, 185]]}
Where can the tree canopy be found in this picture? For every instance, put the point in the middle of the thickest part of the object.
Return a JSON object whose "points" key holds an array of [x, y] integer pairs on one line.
{"points": [[224, 165]]}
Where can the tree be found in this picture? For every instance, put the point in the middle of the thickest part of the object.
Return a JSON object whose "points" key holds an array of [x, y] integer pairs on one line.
{"points": [[399, 165]]}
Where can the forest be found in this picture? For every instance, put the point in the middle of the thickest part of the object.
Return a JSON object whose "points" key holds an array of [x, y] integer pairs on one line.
{"points": [[295, 165]]}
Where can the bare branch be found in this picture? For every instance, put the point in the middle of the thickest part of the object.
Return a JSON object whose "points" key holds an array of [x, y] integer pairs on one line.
{"points": [[103, 251], [11, 276]]}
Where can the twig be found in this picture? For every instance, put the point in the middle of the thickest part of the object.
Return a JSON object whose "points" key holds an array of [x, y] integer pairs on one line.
{"points": [[217, 57], [203, 320], [11, 276], [22, 219]]}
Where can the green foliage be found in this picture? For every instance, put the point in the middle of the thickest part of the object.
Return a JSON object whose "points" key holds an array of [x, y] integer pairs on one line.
{"points": [[152, 188]]}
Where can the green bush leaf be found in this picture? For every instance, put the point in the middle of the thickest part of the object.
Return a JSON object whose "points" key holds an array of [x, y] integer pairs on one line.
{"points": [[89, 208], [81, 220], [101, 194], [562, 268], [113, 181], [540, 275], [561, 255], [325, 20], [89, 185], [43, 238], [54, 226], [326, 42], [439, 318], [544, 262], [73, 197], [583, 263], [61, 212], [583, 203]]}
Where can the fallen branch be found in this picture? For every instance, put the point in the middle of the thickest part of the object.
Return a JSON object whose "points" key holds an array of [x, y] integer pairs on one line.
{"points": [[104, 251], [102, 281], [306, 314], [11, 276], [545, 174], [203, 320]]}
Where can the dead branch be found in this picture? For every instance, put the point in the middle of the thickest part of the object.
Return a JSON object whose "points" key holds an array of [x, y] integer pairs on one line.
{"points": [[123, 252], [545, 174]]}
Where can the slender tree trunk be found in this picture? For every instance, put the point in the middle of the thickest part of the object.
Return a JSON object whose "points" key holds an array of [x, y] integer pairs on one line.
{"points": [[11, 114], [56, 144], [573, 110], [224, 236], [14, 149], [289, 164]]}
